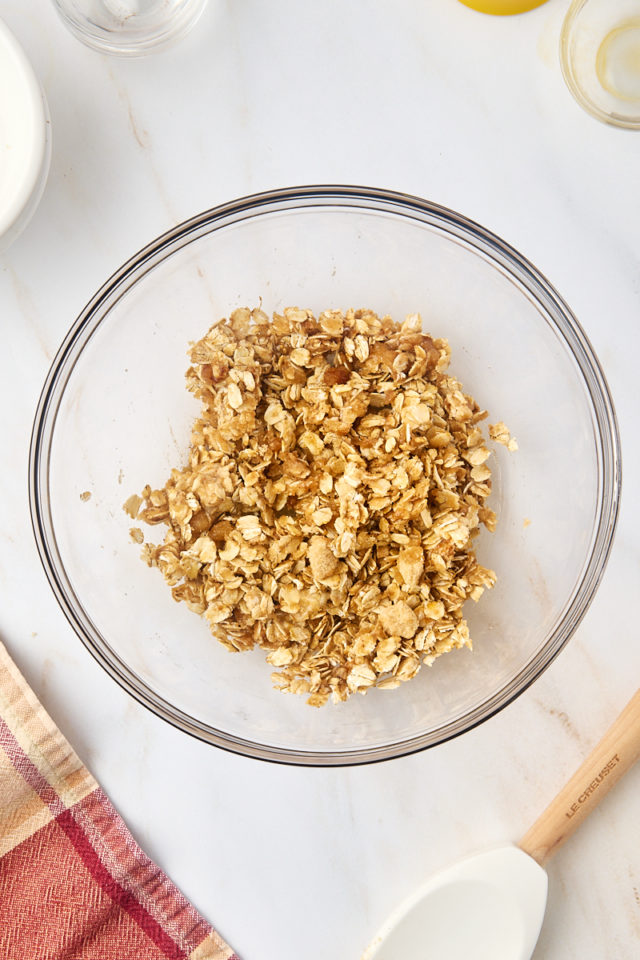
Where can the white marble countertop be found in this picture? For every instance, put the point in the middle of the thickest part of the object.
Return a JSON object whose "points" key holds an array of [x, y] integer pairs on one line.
{"points": [[425, 97]]}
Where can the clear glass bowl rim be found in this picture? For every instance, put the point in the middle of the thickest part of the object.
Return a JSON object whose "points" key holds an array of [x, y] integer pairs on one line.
{"points": [[443, 219]]}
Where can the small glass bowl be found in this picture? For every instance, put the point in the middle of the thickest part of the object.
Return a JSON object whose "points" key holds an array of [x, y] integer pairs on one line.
{"points": [[129, 28], [114, 415], [600, 59]]}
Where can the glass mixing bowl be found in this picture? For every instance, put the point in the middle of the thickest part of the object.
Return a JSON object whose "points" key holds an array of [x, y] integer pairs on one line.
{"points": [[114, 415]]}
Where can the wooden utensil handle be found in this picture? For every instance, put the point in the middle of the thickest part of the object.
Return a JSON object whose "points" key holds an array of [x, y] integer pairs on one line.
{"points": [[608, 761]]}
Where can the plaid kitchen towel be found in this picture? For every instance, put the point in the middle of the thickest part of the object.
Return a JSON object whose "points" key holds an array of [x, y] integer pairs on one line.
{"points": [[74, 884]]}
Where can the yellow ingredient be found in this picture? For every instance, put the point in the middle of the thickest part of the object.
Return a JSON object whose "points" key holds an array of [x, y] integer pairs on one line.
{"points": [[502, 7]]}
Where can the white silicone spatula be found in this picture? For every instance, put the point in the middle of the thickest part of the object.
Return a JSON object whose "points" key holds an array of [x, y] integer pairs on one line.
{"points": [[490, 906]]}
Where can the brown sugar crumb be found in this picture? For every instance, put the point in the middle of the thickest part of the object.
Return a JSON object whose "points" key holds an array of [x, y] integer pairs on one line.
{"points": [[336, 480], [86, 495]]}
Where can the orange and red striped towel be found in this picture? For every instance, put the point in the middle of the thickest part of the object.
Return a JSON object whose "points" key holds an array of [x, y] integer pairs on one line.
{"points": [[74, 884]]}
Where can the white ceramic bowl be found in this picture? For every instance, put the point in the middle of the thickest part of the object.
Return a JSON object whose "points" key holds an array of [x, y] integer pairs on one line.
{"points": [[599, 46], [25, 141]]}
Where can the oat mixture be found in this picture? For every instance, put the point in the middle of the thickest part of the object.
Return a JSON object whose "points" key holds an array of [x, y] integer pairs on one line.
{"points": [[336, 479]]}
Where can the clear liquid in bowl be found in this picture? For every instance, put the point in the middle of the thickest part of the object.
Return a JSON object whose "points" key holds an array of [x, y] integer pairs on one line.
{"points": [[618, 61]]}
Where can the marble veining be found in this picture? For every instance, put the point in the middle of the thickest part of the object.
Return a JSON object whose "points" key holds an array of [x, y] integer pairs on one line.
{"points": [[430, 98]]}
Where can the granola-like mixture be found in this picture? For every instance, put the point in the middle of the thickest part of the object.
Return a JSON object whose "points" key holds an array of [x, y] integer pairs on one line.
{"points": [[499, 432], [336, 479]]}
